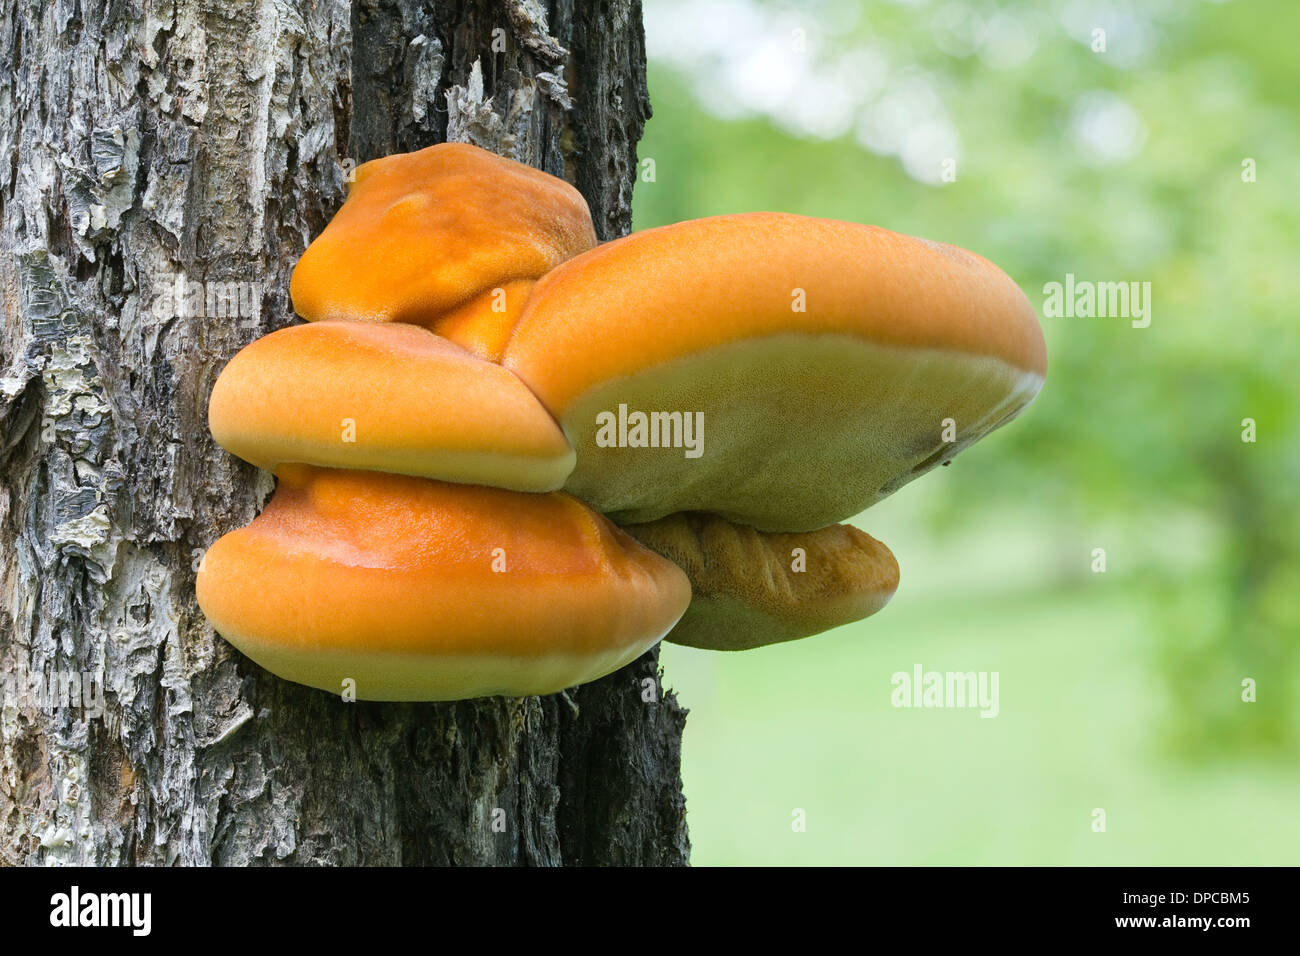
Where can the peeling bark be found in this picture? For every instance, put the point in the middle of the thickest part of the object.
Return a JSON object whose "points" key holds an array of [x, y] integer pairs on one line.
{"points": [[166, 164]]}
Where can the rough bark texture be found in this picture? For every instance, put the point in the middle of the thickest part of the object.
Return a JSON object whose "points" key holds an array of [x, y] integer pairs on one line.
{"points": [[143, 140]]}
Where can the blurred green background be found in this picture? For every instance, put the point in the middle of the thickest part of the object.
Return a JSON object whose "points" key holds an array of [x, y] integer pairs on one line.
{"points": [[1119, 690]]}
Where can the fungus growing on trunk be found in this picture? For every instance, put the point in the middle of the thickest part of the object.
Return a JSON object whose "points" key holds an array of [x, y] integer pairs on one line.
{"points": [[750, 588], [728, 388], [426, 235], [426, 590], [385, 397]]}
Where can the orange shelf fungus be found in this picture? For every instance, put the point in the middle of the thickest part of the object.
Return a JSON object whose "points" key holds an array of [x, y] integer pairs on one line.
{"points": [[752, 588], [426, 590], [727, 389], [822, 358], [386, 397], [450, 237]]}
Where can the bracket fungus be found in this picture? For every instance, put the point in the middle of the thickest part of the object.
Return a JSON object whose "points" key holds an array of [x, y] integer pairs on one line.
{"points": [[388, 397], [823, 357], [429, 590], [486, 354], [450, 232], [751, 588]]}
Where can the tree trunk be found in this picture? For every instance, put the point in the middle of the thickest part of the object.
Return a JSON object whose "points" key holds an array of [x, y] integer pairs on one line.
{"points": [[191, 150]]}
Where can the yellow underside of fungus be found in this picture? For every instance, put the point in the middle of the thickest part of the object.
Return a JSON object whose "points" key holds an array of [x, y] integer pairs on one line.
{"points": [[727, 389], [751, 588]]}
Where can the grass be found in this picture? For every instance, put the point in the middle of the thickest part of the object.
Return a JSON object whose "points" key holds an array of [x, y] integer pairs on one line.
{"points": [[810, 726]]}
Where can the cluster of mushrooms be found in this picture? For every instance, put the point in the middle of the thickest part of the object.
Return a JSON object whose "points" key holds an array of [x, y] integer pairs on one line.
{"points": [[510, 460]]}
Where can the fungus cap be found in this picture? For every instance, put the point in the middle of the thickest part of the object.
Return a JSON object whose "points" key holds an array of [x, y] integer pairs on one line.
{"points": [[750, 588], [822, 358], [484, 323], [425, 590], [424, 232], [386, 397]]}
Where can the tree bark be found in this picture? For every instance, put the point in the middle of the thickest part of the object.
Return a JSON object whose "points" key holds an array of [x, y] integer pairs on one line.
{"points": [[208, 142]]}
